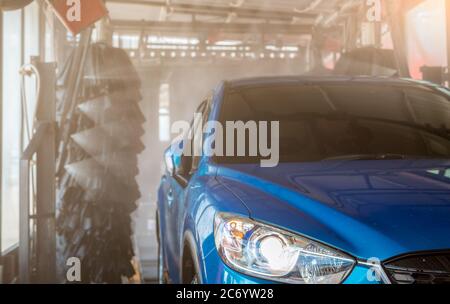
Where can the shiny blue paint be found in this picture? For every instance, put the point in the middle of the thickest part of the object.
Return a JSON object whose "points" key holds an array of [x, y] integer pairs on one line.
{"points": [[359, 276], [367, 209]]}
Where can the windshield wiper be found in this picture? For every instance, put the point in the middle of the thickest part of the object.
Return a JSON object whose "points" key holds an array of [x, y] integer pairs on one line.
{"points": [[386, 156], [443, 131]]}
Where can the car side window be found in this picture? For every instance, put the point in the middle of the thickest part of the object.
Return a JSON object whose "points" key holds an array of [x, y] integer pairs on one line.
{"points": [[197, 140], [185, 169]]}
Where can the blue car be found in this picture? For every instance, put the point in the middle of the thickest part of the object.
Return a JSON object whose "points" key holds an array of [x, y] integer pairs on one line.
{"points": [[360, 192]]}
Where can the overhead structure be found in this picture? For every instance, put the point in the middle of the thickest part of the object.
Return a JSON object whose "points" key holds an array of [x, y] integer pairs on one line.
{"points": [[252, 29], [225, 10], [8, 5], [261, 28]]}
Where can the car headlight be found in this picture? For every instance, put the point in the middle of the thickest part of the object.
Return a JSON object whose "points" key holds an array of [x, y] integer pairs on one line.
{"points": [[270, 253]]}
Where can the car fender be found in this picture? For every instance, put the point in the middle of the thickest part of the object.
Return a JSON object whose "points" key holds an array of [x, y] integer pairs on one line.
{"points": [[190, 242]]}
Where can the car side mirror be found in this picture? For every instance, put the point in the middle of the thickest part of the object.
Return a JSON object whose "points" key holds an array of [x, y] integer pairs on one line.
{"points": [[176, 162], [170, 165], [173, 158]]}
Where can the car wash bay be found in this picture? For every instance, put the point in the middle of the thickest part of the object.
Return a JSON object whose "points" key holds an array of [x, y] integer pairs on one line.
{"points": [[104, 101]]}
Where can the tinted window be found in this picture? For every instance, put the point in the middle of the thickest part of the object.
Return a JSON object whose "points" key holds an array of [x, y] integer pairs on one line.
{"points": [[320, 122]]}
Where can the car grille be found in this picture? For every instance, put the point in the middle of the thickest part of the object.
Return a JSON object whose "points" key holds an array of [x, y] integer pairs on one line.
{"points": [[433, 268]]}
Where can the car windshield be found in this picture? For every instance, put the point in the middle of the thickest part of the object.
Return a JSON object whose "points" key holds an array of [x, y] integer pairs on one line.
{"points": [[339, 121]]}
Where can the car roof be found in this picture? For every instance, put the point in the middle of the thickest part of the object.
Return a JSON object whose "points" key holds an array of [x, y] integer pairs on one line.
{"points": [[277, 80]]}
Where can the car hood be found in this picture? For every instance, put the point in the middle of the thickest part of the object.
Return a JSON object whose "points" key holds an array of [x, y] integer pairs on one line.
{"points": [[370, 209]]}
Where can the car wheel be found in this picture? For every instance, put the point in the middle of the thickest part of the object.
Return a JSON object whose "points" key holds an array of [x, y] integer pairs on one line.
{"points": [[195, 280]]}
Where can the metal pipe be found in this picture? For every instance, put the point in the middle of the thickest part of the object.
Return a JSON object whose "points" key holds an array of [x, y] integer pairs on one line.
{"points": [[24, 231], [447, 10], [184, 8], [312, 6], [205, 27], [1, 125], [326, 21], [42, 23], [396, 21], [45, 178]]}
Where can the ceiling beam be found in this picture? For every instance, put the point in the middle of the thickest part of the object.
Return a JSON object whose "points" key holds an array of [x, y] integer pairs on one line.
{"points": [[208, 27], [408, 5], [232, 16], [223, 11]]}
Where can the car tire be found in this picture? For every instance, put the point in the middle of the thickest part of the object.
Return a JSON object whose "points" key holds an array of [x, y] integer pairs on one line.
{"points": [[162, 279], [195, 280], [190, 273], [161, 276]]}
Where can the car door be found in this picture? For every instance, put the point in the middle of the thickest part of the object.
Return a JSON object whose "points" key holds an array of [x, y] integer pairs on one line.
{"points": [[177, 194]]}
